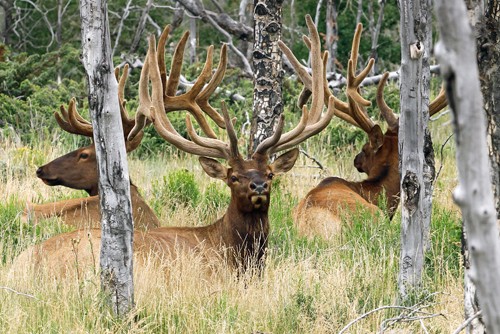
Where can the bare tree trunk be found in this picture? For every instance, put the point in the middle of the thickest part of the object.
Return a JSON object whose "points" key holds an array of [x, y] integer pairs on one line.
{"points": [[331, 34], [471, 303], [267, 97], [114, 184], [140, 27], [6, 21], [457, 54], [489, 71], [360, 12], [375, 32], [416, 155], [192, 40], [126, 13], [243, 15], [486, 26]]}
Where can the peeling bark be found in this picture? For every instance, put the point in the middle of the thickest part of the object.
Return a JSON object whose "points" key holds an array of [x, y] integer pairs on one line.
{"points": [[114, 183]]}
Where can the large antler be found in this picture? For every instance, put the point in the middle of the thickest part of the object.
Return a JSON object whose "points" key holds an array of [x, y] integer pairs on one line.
{"points": [[435, 106], [313, 120], [153, 106], [71, 121], [349, 111], [196, 99]]}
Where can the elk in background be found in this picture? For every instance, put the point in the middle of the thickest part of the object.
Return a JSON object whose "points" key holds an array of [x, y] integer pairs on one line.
{"points": [[240, 236], [78, 170], [320, 213]]}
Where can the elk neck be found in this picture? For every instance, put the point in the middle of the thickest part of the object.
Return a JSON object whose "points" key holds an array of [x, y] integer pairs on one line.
{"points": [[245, 233], [384, 180]]}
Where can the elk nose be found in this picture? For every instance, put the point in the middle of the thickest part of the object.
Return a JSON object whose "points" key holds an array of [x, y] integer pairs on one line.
{"points": [[39, 171], [259, 188]]}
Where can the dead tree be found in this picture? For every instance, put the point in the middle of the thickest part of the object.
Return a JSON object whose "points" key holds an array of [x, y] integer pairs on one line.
{"points": [[415, 146], [114, 183], [457, 54]]}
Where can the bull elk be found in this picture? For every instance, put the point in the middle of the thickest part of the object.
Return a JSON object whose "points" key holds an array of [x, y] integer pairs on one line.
{"points": [[240, 236], [320, 212], [78, 170]]}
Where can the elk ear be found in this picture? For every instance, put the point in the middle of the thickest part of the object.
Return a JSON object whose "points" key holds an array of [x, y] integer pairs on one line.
{"points": [[213, 168], [285, 161], [376, 137]]}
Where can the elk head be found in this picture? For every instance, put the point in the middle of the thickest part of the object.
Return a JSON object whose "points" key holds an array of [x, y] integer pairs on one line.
{"points": [[78, 169]]}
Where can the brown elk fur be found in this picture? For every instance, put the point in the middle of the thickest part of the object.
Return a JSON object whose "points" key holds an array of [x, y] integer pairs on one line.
{"points": [[321, 212], [78, 170], [240, 236]]}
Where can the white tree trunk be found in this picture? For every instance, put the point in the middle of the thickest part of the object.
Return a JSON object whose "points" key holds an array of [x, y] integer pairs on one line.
{"points": [[114, 183], [457, 54], [417, 159], [331, 34]]}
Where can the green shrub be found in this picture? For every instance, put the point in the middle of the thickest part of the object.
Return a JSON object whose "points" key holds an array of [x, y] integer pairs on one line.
{"points": [[178, 188], [215, 198]]}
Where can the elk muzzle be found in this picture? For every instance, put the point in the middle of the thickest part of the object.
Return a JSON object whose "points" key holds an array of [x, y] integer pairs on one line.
{"points": [[259, 193], [358, 163]]}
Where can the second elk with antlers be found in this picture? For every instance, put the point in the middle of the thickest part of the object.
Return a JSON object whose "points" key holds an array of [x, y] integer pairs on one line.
{"points": [[240, 236], [321, 212], [78, 170]]}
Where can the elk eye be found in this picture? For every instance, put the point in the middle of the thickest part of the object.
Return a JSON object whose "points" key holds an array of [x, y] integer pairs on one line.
{"points": [[270, 176], [84, 156], [234, 178]]}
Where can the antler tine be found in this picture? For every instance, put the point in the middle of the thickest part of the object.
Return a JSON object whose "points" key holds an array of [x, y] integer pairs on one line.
{"points": [[309, 131], [206, 142], [161, 55], [341, 108], [78, 122], [63, 122], [439, 103], [142, 114], [176, 66], [128, 123], [157, 112], [267, 144], [196, 99], [209, 89], [312, 121], [365, 123], [233, 139], [354, 81], [385, 110]]}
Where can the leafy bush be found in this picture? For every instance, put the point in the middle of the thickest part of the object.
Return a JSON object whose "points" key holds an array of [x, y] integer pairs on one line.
{"points": [[178, 188]]}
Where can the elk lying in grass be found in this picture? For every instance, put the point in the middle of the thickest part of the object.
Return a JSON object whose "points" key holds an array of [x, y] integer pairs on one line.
{"points": [[240, 236], [320, 212], [78, 170]]}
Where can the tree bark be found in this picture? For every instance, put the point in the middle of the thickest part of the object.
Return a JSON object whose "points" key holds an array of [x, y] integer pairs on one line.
{"points": [[375, 32], [114, 184], [457, 54], [6, 11], [268, 74], [331, 34], [140, 27], [489, 71], [416, 155]]}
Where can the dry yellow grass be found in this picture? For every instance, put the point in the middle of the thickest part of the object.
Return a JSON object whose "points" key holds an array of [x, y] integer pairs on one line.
{"points": [[306, 287]]}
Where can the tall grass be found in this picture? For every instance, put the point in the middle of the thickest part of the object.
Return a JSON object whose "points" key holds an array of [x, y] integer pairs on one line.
{"points": [[307, 286]]}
